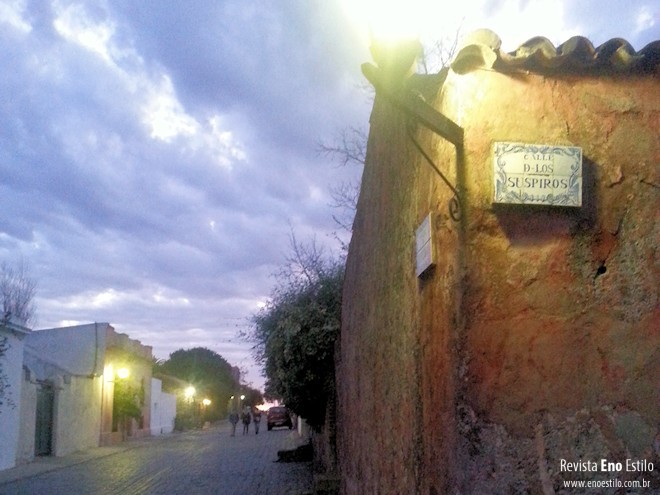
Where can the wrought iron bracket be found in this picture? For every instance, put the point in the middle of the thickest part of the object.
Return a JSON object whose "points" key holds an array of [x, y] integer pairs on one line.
{"points": [[419, 111], [455, 201]]}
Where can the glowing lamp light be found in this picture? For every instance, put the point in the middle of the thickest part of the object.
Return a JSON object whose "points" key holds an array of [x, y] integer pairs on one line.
{"points": [[206, 402], [189, 392], [389, 20], [123, 373], [242, 397]]}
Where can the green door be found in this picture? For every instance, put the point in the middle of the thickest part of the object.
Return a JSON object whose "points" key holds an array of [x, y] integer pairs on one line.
{"points": [[43, 434]]}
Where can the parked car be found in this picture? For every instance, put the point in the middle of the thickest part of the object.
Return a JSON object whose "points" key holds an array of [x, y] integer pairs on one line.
{"points": [[278, 416]]}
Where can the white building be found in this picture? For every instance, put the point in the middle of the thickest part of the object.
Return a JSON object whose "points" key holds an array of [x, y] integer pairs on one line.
{"points": [[11, 366], [163, 409], [75, 372], [61, 388]]}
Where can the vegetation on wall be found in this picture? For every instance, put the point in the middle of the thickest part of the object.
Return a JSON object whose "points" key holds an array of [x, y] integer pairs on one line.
{"points": [[5, 397], [296, 332], [127, 401]]}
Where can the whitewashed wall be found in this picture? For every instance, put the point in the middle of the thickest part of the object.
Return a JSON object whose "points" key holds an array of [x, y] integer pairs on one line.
{"points": [[28, 420], [163, 409], [12, 366], [77, 421]]}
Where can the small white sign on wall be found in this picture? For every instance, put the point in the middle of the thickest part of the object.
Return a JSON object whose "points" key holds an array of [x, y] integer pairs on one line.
{"points": [[424, 245], [537, 174]]}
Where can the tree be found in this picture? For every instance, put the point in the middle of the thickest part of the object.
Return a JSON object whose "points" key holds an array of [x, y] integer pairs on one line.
{"points": [[17, 290], [253, 397], [439, 53], [350, 149], [296, 332], [127, 402], [208, 372]]}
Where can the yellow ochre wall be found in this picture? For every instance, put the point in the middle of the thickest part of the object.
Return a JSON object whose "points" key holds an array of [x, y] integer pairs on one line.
{"points": [[535, 337]]}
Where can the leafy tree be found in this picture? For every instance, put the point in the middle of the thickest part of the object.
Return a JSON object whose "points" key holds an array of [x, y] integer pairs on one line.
{"points": [[156, 365], [253, 397], [126, 401], [296, 332], [208, 372]]}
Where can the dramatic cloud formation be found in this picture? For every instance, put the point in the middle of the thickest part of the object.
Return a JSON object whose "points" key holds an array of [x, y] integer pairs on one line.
{"points": [[155, 154]]}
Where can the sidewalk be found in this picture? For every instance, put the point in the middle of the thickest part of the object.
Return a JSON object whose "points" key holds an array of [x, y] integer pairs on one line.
{"points": [[50, 463]]}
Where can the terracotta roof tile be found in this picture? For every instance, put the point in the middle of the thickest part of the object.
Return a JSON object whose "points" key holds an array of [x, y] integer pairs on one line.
{"points": [[577, 55]]}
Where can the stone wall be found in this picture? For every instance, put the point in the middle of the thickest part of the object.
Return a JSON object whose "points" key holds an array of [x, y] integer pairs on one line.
{"points": [[378, 375], [534, 339]]}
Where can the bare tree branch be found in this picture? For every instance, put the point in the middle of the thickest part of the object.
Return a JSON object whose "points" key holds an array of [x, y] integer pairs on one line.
{"points": [[441, 52], [17, 290], [305, 262], [350, 149]]}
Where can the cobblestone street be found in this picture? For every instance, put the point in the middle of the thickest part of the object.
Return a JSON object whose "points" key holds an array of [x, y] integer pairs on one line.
{"points": [[198, 462]]}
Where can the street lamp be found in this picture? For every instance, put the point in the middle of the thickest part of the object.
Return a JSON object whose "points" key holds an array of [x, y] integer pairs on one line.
{"points": [[206, 402], [395, 30], [189, 392], [189, 395]]}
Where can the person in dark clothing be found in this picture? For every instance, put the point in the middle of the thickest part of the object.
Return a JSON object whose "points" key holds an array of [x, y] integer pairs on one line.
{"points": [[245, 417], [256, 417], [233, 419]]}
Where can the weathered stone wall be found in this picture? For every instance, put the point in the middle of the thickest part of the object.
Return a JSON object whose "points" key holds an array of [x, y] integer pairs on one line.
{"points": [[535, 338], [561, 305], [378, 373]]}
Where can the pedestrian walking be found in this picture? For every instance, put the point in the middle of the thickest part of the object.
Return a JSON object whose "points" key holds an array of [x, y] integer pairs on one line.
{"points": [[233, 419], [246, 420], [256, 417]]}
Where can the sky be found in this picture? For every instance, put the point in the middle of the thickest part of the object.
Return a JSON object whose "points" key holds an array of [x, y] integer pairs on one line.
{"points": [[156, 155]]}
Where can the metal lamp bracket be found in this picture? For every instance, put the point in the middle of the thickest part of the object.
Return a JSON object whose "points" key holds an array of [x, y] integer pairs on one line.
{"points": [[416, 108]]}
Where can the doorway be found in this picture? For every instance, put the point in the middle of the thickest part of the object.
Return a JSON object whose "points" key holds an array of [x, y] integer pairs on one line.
{"points": [[43, 433]]}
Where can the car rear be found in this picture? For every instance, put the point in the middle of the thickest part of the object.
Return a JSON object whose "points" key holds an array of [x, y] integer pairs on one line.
{"points": [[278, 416]]}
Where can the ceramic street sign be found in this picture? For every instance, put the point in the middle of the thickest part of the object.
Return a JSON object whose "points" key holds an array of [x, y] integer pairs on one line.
{"points": [[537, 174]]}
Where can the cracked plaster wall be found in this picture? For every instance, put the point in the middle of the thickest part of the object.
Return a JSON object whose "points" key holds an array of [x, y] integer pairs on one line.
{"points": [[535, 338]]}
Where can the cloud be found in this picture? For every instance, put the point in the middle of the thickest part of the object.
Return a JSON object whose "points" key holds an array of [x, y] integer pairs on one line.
{"points": [[154, 157], [646, 19]]}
